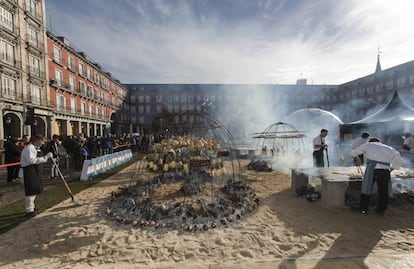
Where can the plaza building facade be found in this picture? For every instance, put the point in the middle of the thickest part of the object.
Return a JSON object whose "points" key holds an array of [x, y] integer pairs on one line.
{"points": [[235, 105], [49, 87], [350, 101], [23, 68], [85, 99], [359, 98]]}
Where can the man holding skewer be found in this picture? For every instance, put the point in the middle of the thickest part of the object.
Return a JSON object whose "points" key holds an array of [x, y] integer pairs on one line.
{"points": [[358, 142], [318, 147]]}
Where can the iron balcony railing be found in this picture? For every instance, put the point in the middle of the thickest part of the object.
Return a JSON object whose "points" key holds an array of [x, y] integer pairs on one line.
{"points": [[82, 92], [35, 100], [11, 29], [77, 112], [63, 86], [35, 71], [5, 58], [35, 42], [73, 69], [32, 11], [58, 60], [11, 95], [23, 97]]}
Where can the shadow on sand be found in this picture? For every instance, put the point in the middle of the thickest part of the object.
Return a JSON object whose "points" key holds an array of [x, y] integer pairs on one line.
{"points": [[353, 243]]}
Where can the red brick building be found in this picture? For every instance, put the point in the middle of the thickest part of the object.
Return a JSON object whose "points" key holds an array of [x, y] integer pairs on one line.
{"points": [[85, 99]]}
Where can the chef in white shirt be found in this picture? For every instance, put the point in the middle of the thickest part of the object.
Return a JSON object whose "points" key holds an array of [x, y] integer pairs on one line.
{"points": [[319, 146], [33, 183], [408, 143], [381, 159], [359, 141]]}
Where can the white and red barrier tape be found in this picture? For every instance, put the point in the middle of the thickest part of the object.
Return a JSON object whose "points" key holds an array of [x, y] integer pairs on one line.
{"points": [[10, 164]]}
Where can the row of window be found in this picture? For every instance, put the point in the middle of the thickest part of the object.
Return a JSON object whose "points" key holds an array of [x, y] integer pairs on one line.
{"points": [[84, 89], [7, 19], [182, 118], [8, 87], [344, 94], [85, 109], [9, 90], [180, 98], [86, 71], [369, 90], [32, 6], [147, 109], [7, 51], [8, 55], [137, 120]]}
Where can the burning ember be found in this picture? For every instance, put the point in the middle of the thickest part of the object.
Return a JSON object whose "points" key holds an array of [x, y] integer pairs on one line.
{"points": [[190, 211], [259, 166]]}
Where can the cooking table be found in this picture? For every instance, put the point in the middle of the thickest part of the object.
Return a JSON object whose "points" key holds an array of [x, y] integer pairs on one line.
{"points": [[334, 182]]}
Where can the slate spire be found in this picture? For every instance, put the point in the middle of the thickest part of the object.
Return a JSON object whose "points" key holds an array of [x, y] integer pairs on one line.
{"points": [[378, 69]]}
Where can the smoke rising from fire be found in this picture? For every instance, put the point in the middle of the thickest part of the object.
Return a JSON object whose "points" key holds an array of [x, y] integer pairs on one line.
{"points": [[253, 108]]}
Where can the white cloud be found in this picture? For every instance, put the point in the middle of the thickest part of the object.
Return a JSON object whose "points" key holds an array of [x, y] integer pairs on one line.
{"points": [[271, 42]]}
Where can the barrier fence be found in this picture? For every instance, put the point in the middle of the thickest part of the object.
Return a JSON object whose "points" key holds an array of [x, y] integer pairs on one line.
{"points": [[10, 164], [101, 164]]}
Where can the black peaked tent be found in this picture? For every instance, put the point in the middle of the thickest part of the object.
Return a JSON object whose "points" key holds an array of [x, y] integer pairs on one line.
{"points": [[389, 123]]}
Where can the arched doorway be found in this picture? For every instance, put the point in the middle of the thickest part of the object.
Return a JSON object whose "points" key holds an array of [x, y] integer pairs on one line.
{"points": [[12, 125], [92, 129], [38, 127], [114, 123]]}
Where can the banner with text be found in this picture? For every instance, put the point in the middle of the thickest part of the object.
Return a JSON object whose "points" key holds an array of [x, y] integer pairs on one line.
{"points": [[101, 164]]}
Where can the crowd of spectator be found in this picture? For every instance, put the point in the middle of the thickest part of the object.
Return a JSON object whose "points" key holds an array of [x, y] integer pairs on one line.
{"points": [[74, 149]]}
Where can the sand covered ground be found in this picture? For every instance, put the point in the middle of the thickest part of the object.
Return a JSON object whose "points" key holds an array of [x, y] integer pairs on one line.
{"points": [[285, 231]]}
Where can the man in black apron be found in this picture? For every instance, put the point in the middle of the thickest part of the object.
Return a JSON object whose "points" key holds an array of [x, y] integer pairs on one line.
{"points": [[33, 183], [381, 159], [318, 147]]}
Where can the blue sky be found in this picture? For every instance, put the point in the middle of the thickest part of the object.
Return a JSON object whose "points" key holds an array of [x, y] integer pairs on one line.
{"points": [[237, 41]]}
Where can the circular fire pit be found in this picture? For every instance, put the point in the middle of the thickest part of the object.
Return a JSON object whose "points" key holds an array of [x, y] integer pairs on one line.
{"points": [[165, 202], [190, 183]]}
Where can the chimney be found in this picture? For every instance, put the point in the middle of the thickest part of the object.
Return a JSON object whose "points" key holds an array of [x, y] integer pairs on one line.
{"points": [[302, 81], [64, 40], [82, 54]]}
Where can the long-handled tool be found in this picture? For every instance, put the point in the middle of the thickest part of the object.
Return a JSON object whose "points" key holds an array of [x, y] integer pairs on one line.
{"points": [[359, 170], [327, 156], [64, 181]]}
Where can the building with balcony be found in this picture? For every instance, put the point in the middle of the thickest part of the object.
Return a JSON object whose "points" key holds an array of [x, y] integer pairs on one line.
{"points": [[23, 100], [350, 101], [360, 98], [85, 99], [241, 107]]}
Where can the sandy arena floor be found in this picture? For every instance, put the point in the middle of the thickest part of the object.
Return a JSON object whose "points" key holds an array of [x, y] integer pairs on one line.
{"points": [[285, 231]]}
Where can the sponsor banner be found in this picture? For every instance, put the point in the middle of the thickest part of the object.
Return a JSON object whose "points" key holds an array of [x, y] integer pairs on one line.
{"points": [[101, 164]]}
